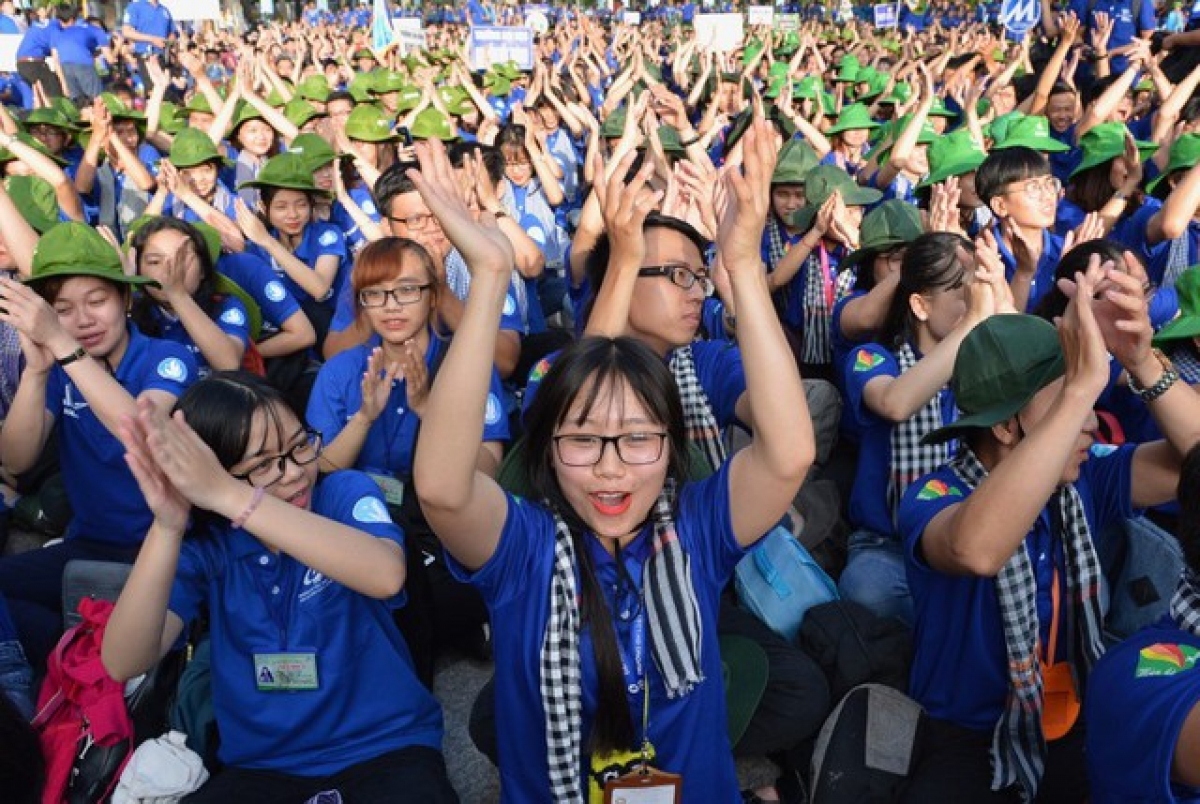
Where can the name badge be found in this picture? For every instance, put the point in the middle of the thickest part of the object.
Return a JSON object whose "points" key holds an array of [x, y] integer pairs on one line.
{"points": [[392, 488], [646, 785], [285, 672]]}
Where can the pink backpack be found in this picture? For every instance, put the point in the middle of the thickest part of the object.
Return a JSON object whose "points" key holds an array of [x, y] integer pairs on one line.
{"points": [[82, 719]]}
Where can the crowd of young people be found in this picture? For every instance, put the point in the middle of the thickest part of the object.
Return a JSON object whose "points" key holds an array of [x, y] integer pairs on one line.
{"points": [[355, 355]]}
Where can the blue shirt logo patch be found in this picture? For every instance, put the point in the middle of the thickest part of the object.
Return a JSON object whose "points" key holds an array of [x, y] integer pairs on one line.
{"points": [[172, 368], [274, 291], [233, 316], [370, 511], [493, 410], [328, 239], [510, 305]]}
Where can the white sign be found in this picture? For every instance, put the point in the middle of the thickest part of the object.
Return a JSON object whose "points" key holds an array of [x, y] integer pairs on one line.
{"points": [[787, 22], [186, 10], [631, 17], [8, 52], [720, 32], [760, 15], [410, 33], [1020, 16], [537, 21], [885, 16], [490, 44]]}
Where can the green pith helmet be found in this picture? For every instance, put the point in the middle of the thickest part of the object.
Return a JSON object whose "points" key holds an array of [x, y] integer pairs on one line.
{"points": [[46, 116], [1184, 155], [955, 154], [431, 124], [287, 171], [314, 88], [244, 114], [796, 159], [300, 112], [821, 183], [171, 118], [7, 156], [1105, 142], [315, 150], [193, 147], [854, 116], [1031, 131], [893, 223], [76, 249], [34, 198], [369, 123]]}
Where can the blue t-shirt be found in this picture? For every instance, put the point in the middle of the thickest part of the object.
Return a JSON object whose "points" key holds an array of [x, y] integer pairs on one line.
{"points": [[78, 43], [687, 732], [38, 39], [108, 506], [369, 702], [253, 275], [1043, 277], [151, 19], [229, 314], [320, 238], [869, 508], [1125, 27], [960, 669], [1138, 696], [8, 25], [392, 439]]}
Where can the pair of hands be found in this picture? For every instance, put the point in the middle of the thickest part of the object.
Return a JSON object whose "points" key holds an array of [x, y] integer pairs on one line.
{"points": [[377, 381], [37, 325]]}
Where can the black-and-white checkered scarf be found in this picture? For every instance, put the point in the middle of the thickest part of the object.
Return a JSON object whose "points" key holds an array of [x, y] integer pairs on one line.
{"points": [[1177, 259], [777, 245], [817, 347], [1186, 361], [673, 622], [702, 427], [1185, 603], [910, 458], [1018, 743]]}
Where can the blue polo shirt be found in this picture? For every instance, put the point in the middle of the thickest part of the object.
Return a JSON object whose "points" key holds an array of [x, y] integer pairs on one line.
{"points": [[254, 275], [1125, 27], [108, 506], [38, 39], [78, 43], [8, 25], [369, 702], [392, 439], [793, 291], [959, 670], [151, 19], [229, 315], [320, 238], [688, 731], [1139, 695], [869, 509], [1043, 277]]}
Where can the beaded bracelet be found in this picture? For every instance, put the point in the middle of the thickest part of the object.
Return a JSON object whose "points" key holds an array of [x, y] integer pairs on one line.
{"points": [[255, 499]]}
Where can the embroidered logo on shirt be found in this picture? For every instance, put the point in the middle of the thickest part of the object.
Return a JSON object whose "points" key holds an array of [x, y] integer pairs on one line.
{"points": [[369, 511], [936, 489], [328, 239], [539, 371], [234, 317], [1165, 659], [493, 411], [274, 291], [1100, 450], [510, 306], [172, 368], [368, 207], [865, 361]]}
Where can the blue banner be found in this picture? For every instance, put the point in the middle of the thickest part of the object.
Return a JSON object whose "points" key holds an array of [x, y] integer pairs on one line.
{"points": [[382, 34]]}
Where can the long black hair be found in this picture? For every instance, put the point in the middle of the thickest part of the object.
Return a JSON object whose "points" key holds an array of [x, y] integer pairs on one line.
{"points": [[599, 369], [930, 263], [206, 295], [1188, 494], [1054, 303]]}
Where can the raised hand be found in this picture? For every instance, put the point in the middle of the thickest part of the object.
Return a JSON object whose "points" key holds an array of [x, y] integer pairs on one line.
{"points": [[250, 224], [1082, 341], [739, 232], [989, 268], [30, 315], [377, 383], [170, 508], [1092, 228], [943, 207], [416, 378], [625, 207]]}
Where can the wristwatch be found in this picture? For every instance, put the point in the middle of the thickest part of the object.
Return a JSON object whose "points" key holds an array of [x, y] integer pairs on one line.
{"points": [[79, 354], [1169, 377]]}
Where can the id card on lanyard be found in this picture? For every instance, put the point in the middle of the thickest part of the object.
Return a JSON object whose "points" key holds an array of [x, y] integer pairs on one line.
{"points": [[281, 669]]}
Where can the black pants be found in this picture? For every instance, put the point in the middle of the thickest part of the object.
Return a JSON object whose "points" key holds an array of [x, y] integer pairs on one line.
{"points": [[954, 767], [414, 774], [35, 71]]}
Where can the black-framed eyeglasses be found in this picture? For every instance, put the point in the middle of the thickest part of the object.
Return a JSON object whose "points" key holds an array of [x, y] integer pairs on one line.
{"points": [[401, 295], [416, 223], [1034, 189], [681, 276], [634, 449], [269, 471]]}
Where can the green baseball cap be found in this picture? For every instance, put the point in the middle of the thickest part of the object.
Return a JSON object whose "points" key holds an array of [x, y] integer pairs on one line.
{"points": [[47, 116], [1031, 131], [821, 183], [744, 673], [1000, 366], [796, 159], [287, 171], [854, 116], [7, 156], [954, 154], [193, 147], [34, 198], [1184, 155], [369, 123], [892, 223], [432, 124], [76, 249], [1187, 324], [299, 112], [315, 150], [1104, 143], [314, 88]]}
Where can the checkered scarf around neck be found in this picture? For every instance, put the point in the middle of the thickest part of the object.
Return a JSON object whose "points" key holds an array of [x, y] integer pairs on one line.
{"points": [[698, 417], [1177, 259], [818, 310], [1018, 744], [910, 458], [777, 245], [673, 620], [1186, 361], [1185, 604]]}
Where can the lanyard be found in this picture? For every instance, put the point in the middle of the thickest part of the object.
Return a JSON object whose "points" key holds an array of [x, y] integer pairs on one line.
{"points": [[636, 670], [1048, 653], [826, 274], [281, 623]]}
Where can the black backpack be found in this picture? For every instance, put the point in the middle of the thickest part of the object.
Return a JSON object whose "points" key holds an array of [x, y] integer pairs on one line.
{"points": [[854, 646]]}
